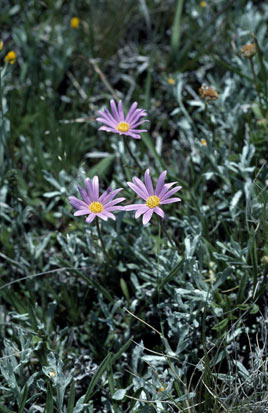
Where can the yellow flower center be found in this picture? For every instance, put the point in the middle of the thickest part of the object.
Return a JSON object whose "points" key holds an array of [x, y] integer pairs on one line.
{"points": [[204, 142], [123, 127], [10, 57], [96, 207], [153, 201], [171, 81], [75, 22]]}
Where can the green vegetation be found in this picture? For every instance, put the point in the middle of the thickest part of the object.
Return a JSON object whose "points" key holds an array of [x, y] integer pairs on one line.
{"points": [[176, 319]]}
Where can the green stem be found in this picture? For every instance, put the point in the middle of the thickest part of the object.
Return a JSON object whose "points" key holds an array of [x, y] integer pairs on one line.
{"points": [[131, 154], [166, 233], [256, 83], [101, 240]]}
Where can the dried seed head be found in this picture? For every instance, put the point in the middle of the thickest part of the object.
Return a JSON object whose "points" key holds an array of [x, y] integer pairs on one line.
{"points": [[249, 50], [208, 93]]}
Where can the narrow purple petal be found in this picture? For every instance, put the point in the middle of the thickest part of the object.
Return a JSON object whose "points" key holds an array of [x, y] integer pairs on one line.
{"points": [[137, 130], [107, 214], [147, 216], [160, 183], [141, 211], [131, 110], [171, 192], [108, 129], [148, 182], [170, 201], [141, 185], [82, 212], [120, 110], [84, 195], [109, 115], [107, 122], [114, 110], [108, 195], [133, 135], [90, 218], [165, 189], [76, 203], [136, 115], [114, 202], [159, 212], [115, 208], [133, 207], [95, 187], [134, 125], [138, 191], [89, 189], [102, 216]]}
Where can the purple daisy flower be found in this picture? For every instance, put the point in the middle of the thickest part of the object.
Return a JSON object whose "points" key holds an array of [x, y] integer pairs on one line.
{"points": [[153, 199], [94, 205], [117, 123]]}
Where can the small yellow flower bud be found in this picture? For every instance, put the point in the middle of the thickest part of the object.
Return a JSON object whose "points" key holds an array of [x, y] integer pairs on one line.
{"points": [[203, 4], [204, 142], [208, 93], [1, 45], [249, 50], [11, 57], [75, 21], [171, 81], [52, 373], [161, 389]]}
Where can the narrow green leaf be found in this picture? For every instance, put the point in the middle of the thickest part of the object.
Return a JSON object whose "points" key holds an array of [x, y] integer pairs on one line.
{"points": [[6, 410], [71, 400], [102, 167], [105, 365], [49, 399], [176, 30], [150, 145], [122, 350], [23, 398]]}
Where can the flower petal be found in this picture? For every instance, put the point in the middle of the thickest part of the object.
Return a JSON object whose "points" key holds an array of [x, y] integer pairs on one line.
{"points": [[108, 195], [160, 183], [133, 207], [77, 203], [138, 191], [108, 129], [131, 111], [147, 216], [106, 122], [84, 195], [141, 211], [82, 212], [171, 192], [90, 218], [132, 135], [170, 201], [120, 111], [114, 110], [107, 214], [166, 188], [141, 185], [114, 202], [95, 188], [148, 182], [115, 208], [159, 212], [89, 189]]}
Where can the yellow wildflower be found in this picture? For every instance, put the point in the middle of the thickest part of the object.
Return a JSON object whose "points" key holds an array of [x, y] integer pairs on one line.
{"points": [[208, 93], [1, 45], [11, 57], [204, 142], [75, 21], [171, 81], [161, 389], [203, 4], [52, 373], [249, 50]]}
